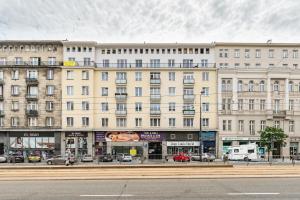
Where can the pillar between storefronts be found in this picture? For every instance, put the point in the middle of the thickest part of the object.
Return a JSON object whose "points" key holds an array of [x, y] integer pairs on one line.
{"points": [[63, 144], [164, 149], [90, 143]]}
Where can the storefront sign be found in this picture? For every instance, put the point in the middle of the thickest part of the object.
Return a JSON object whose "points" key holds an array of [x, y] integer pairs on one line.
{"points": [[294, 139], [152, 136], [30, 134], [208, 136], [234, 138], [76, 134], [183, 143], [100, 136]]}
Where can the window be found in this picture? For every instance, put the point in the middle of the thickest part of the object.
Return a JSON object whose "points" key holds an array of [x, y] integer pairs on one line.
{"points": [[121, 107], [1, 75], [138, 122], [172, 106], [276, 105], [154, 63], [70, 121], [85, 90], [187, 63], [70, 90], [35, 61], [50, 89], [171, 63], [32, 74], [15, 90], [32, 121], [257, 53], [251, 104], [70, 75], [251, 86], [240, 104], [85, 121], [138, 76], [32, 91], [171, 76], [276, 86], [87, 61], [262, 104], [154, 122], [291, 86], [204, 63], [252, 127], [229, 123], [172, 122], [188, 122], [49, 121], [241, 125], [138, 106], [1, 121], [224, 125], [50, 74], [138, 63], [277, 124], [104, 76], [15, 121], [104, 122], [85, 75], [138, 91], [262, 125], [14, 105], [121, 75], [85, 105], [236, 53], [261, 86], [70, 105], [49, 106], [18, 61], [205, 107], [205, 76], [104, 91], [291, 104], [205, 91], [240, 86], [295, 54], [291, 126], [285, 53], [271, 53], [104, 106], [106, 63], [205, 122], [172, 91], [121, 122], [247, 53], [15, 74]]}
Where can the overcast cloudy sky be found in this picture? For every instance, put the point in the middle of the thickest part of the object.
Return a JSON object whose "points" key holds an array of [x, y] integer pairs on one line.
{"points": [[151, 20]]}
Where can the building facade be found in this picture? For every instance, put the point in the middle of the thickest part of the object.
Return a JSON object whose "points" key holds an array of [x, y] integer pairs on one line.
{"points": [[258, 86], [139, 98], [30, 96]]}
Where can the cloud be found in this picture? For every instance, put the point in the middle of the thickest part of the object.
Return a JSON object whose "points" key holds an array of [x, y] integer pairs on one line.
{"points": [[151, 20]]}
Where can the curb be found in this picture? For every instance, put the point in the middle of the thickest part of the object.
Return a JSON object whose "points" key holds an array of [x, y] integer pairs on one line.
{"points": [[115, 166]]}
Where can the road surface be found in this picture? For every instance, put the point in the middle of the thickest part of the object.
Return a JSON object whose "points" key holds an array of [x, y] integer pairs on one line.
{"points": [[162, 189]]}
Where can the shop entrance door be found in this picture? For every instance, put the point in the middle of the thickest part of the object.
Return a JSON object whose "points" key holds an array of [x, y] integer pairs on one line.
{"points": [[293, 151], [155, 150]]}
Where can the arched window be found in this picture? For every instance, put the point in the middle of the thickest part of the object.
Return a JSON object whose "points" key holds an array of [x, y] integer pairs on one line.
{"points": [[291, 86], [276, 86], [262, 86], [251, 86], [240, 86]]}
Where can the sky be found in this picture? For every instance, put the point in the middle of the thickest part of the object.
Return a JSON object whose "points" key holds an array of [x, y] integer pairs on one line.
{"points": [[125, 21]]}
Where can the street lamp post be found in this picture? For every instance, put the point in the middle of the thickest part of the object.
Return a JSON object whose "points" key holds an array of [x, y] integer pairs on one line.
{"points": [[200, 127]]}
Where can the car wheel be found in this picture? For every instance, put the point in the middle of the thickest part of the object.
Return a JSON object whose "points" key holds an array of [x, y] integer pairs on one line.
{"points": [[246, 159], [49, 162], [193, 159]]}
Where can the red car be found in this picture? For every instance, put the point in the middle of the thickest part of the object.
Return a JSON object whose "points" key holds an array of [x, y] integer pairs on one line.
{"points": [[181, 158]]}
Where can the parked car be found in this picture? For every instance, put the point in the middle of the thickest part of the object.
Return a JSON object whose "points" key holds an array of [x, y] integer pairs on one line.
{"points": [[87, 158], [206, 157], [181, 157], [34, 158], [3, 159], [105, 158], [15, 158], [124, 157], [59, 160]]}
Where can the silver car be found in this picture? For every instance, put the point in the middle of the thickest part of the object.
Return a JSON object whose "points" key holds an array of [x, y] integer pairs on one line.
{"points": [[206, 157], [124, 157], [3, 159], [87, 158]]}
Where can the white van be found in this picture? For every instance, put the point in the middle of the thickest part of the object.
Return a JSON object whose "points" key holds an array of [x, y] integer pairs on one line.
{"points": [[245, 152]]}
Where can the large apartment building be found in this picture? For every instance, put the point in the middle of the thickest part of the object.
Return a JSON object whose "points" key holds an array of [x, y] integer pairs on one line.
{"points": [[138, 98], [258, 86], [30, 98]]}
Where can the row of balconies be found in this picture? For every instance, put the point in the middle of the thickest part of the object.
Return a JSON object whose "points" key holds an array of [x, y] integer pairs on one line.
{"points": [[156, 81], [30, 63]]}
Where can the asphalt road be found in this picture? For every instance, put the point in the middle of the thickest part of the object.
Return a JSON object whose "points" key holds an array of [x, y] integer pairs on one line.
{"points": [[181, 189]]}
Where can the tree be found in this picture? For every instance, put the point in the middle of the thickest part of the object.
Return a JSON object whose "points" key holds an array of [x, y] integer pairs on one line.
{"points": [[271, 135]]}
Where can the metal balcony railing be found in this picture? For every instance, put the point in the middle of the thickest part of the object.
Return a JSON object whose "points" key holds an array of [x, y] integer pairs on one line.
{"points": [[188, 97], [188, 112], [155, 112], [188, 81], [32, 112], [155, 81], [121, 96], [121, 81], [155, 97], [121, 112]]}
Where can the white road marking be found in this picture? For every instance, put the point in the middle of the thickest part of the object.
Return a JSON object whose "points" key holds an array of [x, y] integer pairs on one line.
{"points": [[246, 193], [107, 195]]}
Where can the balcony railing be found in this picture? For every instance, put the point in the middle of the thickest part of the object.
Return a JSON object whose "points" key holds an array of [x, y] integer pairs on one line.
{"points": [[32, 81], [121, 96], [121, 112], [31, 96], [155, 112], [188, 97], [155, 81], [29, 63], [188, 112], [155, 96], [188, 81], [32, 112], [279, 113], [121, 81]]}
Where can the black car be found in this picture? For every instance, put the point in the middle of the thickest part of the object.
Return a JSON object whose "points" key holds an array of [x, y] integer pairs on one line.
{"points": [[15, 158], [105, 158]]}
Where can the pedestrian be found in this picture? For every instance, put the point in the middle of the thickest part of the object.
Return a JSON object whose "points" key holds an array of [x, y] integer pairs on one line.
{"points": [[68, 161]]}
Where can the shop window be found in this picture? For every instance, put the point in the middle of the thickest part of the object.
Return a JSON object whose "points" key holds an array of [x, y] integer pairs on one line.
{"points": [[236, 150]]}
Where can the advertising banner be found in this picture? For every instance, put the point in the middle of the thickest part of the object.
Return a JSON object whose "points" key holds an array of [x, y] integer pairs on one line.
{"points": [[129, 136]]}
